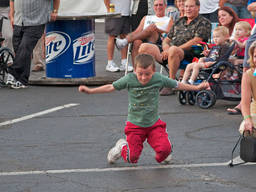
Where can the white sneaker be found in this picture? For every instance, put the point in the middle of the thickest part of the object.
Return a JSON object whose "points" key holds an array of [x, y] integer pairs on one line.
{"points": [[120, 43], [112, 67], [10, 79], [18, 85], [115, 153], [123, 67], [168, 159]]}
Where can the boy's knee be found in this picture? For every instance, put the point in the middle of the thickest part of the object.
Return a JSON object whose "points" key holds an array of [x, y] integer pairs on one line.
{"points": [[163, 153], [133, 158]]}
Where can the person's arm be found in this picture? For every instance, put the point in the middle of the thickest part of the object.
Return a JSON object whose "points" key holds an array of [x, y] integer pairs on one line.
{"points": [[238, 43], [208, 64], [252, 7], [107, 2], [56, 5], [102, 89], [188, 44], [188, 87], [165, 45], [246, 94], [11, 12], [222, 2]]}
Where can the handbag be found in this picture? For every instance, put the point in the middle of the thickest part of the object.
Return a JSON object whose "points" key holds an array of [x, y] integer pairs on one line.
{"points": [[247, 148]]}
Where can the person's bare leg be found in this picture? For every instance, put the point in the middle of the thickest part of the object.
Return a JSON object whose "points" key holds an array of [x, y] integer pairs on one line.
{"points": [[111, 66], [147, 33], [195, 71], [135, 49], [175, 56], [124, 50], [151, 49], [237, 109], [150, 33], [110, 47], [187, 72]]}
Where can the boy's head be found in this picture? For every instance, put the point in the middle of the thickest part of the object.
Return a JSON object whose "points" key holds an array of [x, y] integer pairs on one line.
{"points": [[220, 35], [242, 29], [144, 68]]}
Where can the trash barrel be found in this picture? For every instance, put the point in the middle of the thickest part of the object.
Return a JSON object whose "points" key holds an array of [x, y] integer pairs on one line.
{"points": [[69, 46]]}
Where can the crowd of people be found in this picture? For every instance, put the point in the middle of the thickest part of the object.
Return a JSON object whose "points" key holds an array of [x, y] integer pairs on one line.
{"points": [[171, 40]]}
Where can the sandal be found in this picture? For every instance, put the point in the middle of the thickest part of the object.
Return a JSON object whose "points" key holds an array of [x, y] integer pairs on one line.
{"points": [[234, 111]]}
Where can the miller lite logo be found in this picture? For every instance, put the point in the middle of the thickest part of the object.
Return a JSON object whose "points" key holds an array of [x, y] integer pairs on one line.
{"points": [[83, 49], [56, 43]]}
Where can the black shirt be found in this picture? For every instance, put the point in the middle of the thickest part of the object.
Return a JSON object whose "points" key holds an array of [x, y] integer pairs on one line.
{"points": [[4, 3]]}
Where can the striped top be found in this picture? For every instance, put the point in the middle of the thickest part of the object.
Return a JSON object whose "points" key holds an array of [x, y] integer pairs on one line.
{"points": [[32, 12]]}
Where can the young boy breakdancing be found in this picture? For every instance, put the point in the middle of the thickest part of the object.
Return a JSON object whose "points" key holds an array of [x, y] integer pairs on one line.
{"points": [[143, 120]]}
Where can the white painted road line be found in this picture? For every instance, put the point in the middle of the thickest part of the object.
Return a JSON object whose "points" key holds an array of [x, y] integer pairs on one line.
{"points": [[115, 169], [38, 114], [111, 169]]}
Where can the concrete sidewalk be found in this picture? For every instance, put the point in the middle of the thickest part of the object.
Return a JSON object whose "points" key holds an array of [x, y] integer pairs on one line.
{"points": [[102, 76]]}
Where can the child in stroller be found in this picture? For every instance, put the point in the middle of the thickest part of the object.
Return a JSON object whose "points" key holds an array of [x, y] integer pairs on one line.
{"points": [[219, 86], [215, 54]]}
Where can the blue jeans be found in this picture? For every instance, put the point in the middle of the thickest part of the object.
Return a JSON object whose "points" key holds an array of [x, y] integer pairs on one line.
{"points": [[241, 11]]}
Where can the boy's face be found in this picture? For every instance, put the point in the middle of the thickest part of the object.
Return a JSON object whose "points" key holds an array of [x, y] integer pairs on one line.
{"points": [[240, 32], [144, 75], [218, 38]]}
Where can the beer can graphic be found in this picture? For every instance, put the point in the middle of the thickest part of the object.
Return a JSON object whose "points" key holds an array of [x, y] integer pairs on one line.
{"points": [[69, 47]]}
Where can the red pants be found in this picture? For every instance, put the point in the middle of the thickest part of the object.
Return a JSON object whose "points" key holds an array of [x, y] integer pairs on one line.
{"points": [[156, 136]]}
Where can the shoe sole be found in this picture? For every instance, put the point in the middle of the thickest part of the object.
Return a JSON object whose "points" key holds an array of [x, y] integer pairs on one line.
{"points": [[112, 71]]}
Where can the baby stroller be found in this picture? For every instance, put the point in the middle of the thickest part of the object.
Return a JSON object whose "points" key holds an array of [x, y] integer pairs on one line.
{"points": [[6, 58], [222, 86]]}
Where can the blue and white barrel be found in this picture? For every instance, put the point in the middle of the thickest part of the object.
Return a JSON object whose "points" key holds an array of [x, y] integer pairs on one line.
{"points": [[70, 49]]}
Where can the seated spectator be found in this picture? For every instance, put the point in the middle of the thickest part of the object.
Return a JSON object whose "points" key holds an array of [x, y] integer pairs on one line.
{"points": [[140, 8], [227, 18], [220, 37], [187, 31], [239, 6], [248, 90], [179, 12], [209, 9], [150, 28], [242, 31]]}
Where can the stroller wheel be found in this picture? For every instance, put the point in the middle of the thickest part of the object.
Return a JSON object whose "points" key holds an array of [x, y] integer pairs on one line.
{"points": [[182, 97], [191, 97], [205, 99]]}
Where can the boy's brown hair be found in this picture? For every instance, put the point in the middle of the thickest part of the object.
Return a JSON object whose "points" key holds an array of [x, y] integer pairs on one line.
{"points": [[144, 61]]}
